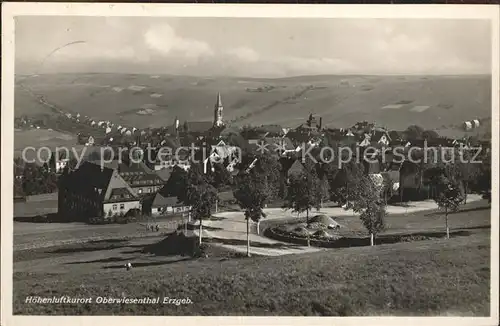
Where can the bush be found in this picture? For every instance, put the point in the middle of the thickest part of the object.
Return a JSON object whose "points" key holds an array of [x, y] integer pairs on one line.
{"points": [[177, 243], [322, 234], [125, 219], [300, 237], [41, 219], [98, 220]]}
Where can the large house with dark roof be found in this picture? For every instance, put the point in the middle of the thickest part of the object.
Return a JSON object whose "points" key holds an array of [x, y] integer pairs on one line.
{"points": [[95, 191], [141, 179]]}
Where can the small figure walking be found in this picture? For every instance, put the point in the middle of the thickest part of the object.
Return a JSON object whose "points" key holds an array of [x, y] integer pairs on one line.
{"points": [[152, 228], [128, 266], [157, 228]]}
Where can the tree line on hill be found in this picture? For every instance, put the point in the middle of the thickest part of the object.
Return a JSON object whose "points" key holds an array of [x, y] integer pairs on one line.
{"points": [[34, 179]]}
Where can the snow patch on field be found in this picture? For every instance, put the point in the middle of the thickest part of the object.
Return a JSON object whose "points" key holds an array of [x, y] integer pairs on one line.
{"points": [[146, 111], [148, 106], [156, 95], [117, 89], [392, 107], [136, 88], [419, 108], [155, 77]]}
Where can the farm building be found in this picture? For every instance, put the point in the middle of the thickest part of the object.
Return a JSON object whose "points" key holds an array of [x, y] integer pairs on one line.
{"points": [[467, 125], [92, 191], [160, 205]]}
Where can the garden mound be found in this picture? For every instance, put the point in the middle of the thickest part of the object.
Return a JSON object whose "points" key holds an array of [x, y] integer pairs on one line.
{"points": [[324, 221]]}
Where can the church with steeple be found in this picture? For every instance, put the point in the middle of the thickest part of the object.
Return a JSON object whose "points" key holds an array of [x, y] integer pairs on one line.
{"points": [[218, 112], [203, 127]]}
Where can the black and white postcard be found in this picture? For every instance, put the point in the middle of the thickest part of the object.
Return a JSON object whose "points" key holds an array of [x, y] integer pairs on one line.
{"points": [[330, 162]]}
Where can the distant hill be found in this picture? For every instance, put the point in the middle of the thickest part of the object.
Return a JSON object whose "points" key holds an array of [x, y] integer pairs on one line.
{"points": [[434, 102]]}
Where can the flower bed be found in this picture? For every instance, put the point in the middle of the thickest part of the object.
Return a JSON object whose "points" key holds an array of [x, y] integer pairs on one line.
{"points": [[316, 239]]}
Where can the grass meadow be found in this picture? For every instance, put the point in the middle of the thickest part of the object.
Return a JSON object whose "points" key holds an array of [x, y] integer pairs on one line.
{"points": [[428, 277]]}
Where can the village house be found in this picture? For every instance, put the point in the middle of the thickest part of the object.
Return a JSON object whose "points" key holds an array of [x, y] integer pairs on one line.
{"points": [[366, 141], [280, 145], [313, 123], [381, 137], [271, 131], [95, 191], [138, 176], [159, 205], [58, 161], [168, 157], [228, 155]]}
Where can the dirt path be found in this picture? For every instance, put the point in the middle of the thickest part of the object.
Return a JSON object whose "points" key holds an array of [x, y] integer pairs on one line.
{"points": [[230, 230]]}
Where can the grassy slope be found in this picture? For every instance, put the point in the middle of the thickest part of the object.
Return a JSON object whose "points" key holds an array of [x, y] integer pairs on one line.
{"points": [[424, 277], [192, 98]]}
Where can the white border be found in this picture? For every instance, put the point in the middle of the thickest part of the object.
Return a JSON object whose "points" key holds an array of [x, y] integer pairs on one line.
{"points": [[490, 12]]}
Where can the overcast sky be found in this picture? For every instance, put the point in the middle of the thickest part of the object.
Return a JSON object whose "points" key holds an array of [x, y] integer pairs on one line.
{"points": [[252, 47]]}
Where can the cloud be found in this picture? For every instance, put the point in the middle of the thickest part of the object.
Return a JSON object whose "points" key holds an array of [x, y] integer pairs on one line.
{"points": [[164, 40], [236, 47], [245, 54], [95, 51]]}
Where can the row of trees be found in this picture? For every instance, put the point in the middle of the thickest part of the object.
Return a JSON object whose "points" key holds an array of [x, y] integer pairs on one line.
{"points": [[32, 179], [255, 187]]}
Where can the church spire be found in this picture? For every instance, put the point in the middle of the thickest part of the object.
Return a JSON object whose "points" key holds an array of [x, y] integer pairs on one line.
{"points": [[219, 100], [218, 112]]}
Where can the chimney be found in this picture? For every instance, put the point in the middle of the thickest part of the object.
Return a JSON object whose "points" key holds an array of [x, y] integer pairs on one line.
{"points": [[320, 122]]}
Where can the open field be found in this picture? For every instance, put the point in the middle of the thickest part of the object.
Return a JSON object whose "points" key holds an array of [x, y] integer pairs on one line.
{"points": [[431, 101], [43, 138], [431, 277], [444, 277], [28, 209], [29, 235]]}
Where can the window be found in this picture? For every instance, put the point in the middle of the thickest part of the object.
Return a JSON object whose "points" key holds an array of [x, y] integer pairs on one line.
{"points": [[115, 207], [150, 190], [122, 206], [139, 190]]}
